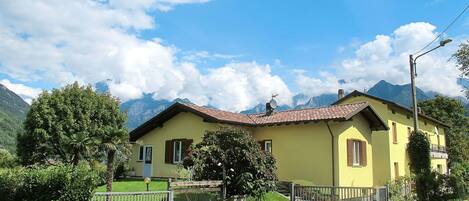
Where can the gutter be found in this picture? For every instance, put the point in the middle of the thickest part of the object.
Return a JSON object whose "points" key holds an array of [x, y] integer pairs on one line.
{"points": [[333, 153]]}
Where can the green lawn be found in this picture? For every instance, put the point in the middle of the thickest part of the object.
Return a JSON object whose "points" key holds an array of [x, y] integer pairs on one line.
{"points": [[137, 185]]}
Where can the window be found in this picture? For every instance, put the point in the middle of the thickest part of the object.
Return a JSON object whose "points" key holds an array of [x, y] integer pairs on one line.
{"points": [[148, 152], [394, 112], [438, 140], [439, 168], [268, 146], [140, 154], [394, 132], [436, 130], [396, 170], [356, 152], [177, 151]]}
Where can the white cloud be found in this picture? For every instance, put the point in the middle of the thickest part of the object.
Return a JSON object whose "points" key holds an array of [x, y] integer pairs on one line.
{"points": [[25, 92], [91, 41], [387, 58]]}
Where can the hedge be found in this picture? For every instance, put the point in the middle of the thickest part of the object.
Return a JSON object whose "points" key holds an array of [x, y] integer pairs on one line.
{"points": [[58, 183]]}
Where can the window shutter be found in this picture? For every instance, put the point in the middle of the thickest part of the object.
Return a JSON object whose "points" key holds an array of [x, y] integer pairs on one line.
{"points": [[168, 152], [363, 153], [349, 152], [261, 144], [186, 146]]}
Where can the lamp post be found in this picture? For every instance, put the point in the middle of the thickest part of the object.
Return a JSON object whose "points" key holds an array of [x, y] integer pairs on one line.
{"points": [[413, 74]]}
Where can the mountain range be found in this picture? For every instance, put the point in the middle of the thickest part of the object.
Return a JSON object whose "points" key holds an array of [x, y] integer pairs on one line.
{"points": [[142, 109], [13, 109]]}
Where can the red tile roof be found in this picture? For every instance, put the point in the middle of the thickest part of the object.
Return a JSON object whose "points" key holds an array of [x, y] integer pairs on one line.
{"points": [[335, 112], [311, 114]]}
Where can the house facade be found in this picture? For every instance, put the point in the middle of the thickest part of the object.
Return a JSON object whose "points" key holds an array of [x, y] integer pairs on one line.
{"points": [[345, 144], [391, 160]]}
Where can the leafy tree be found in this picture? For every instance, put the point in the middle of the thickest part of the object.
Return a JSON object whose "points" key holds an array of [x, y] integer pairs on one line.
{"points": [[451, 111], [71, 124], [462, 58], [233, 152], [419, 163]]}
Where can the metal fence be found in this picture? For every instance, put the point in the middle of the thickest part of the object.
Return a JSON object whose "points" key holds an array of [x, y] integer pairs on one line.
{"points": [[134, 196], [333, 193]]}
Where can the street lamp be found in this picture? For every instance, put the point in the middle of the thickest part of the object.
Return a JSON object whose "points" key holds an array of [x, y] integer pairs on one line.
{"points": [[413, 74]]}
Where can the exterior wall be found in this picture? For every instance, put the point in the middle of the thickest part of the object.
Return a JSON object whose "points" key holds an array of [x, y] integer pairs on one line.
{"points": [[183, 125], [302, 152], [359, 176], [391, 152]]}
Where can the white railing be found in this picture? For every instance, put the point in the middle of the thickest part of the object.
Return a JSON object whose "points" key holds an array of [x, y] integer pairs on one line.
{"points": [[134, 196]]}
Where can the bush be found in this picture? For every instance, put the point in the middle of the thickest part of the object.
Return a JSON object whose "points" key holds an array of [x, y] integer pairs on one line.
{"points": [[460, 172], [7, 160], [401, 189], [248, 170], [61, 183]]}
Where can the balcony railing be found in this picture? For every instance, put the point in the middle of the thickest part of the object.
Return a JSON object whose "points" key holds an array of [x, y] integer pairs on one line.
{"points": [[438, 148]]}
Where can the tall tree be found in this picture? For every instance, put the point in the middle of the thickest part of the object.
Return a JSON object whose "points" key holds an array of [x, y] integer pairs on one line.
{"points": [[71, 124], [451, 111]]}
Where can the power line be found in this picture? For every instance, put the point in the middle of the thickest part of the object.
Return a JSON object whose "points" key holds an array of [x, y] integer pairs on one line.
{"points": [[447, 27]]}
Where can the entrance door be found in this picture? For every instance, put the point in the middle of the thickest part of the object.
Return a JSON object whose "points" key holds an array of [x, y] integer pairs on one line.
{"points": [[147, 161]]}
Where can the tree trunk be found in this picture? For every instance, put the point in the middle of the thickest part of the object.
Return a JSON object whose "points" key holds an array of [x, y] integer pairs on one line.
{"points": [[110, 169]]}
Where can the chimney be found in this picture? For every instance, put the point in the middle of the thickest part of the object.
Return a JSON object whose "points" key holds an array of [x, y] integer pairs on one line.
{"points": [[340, 94]]}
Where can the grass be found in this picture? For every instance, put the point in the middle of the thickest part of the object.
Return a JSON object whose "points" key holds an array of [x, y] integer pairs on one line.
{"points": [[137, 185]]}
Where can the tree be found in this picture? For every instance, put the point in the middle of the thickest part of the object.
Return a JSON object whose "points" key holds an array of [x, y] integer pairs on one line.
{"points": [[71, 124], [462, 58], [451, 111], [232, 155], [418, 150]]}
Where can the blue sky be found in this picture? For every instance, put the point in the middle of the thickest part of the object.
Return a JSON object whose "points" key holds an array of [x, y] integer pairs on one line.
{"points": [[198, 48]]}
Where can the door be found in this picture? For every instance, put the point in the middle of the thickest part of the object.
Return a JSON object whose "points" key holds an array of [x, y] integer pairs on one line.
{"points": [[147, 162]]}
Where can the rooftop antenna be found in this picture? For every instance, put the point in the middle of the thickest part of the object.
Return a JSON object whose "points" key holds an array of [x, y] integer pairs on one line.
{"points": [[271, 105]]}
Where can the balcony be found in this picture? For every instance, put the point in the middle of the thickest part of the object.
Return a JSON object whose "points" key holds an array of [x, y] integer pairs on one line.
{"points": [[438, 151]]}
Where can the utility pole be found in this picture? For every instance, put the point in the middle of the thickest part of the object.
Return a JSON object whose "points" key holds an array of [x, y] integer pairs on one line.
{"points": [[413, 74], [414, 92]]}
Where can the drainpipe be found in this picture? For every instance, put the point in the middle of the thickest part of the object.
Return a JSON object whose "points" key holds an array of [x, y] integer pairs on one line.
{"points": [[333, 153]]}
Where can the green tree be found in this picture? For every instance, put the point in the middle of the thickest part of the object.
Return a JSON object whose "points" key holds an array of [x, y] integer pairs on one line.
{"points": [[451, 111], [234, 153], [462, 58], [418, 150], [71, 124]]}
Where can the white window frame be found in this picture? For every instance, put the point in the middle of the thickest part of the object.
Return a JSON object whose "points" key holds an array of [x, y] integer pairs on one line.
{"points": [[177, 159], [356, 159], [266, 148]]}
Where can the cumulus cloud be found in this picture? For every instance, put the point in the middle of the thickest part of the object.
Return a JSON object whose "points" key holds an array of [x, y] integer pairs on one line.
{"points": [[92, 41], [386, 57], [25, 92]]}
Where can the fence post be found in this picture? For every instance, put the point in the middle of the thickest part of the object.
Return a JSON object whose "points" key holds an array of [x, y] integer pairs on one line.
{"points": [[170, 194], [292, 191], [333, 196], [377, 194]]}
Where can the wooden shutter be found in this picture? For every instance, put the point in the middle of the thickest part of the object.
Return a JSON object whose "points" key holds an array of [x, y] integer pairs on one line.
{"points": [[168, 152], [186, 144], [261, 144], [363, 153], [349, 152]]}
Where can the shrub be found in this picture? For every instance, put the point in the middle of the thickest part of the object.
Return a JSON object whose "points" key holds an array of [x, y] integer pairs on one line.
{"points": [[61, 183], [248, 170], [401, 189], [7, 160], [460, 172]]}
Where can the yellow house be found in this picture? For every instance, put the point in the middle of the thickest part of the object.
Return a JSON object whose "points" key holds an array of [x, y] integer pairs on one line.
{"points": [[390, 159], [349, 143]]}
